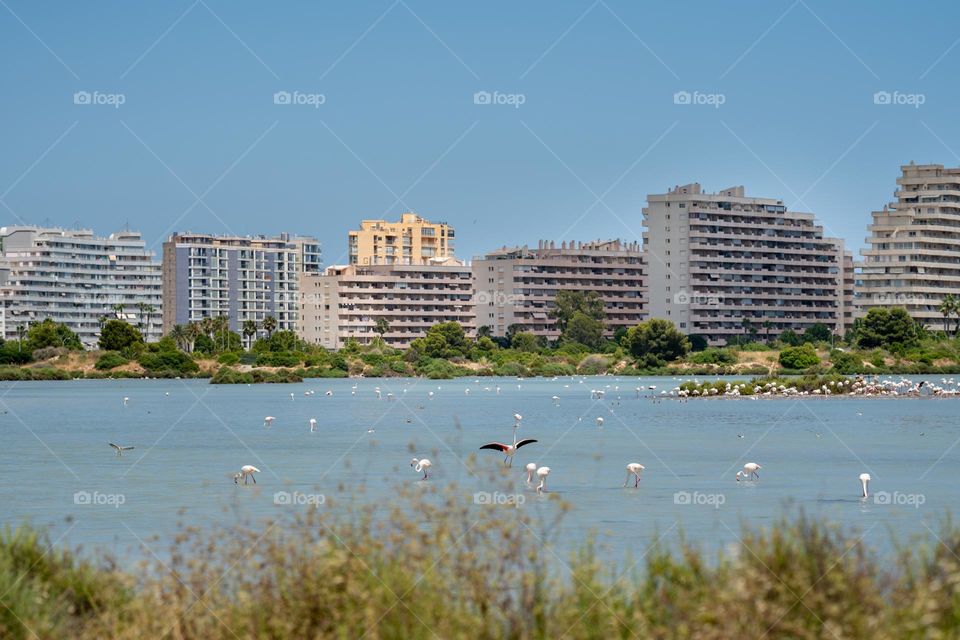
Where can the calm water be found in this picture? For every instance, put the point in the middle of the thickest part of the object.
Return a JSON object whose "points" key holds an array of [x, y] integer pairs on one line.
{"points": [[191, 436]]}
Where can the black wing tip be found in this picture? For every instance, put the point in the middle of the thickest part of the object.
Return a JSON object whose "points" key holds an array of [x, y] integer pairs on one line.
{"points": [[498, 447]]}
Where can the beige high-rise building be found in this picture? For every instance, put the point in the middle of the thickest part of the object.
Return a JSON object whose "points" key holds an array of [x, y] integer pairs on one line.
{"points": [[410, 241], [716, 260], [518, 285], [913, 257], [346, 301]]}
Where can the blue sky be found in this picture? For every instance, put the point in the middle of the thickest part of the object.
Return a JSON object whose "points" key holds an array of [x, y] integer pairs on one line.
{"points": [[199, 143]]}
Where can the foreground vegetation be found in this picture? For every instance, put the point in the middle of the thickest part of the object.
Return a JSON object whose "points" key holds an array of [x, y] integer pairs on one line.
{"points": [[433, 567]]}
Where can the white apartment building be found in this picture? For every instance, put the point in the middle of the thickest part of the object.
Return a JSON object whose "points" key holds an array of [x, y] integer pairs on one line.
{"points": [[78, 279], [346, 301], [716, 260], [242, 278], [517, 286], [913, 257]]}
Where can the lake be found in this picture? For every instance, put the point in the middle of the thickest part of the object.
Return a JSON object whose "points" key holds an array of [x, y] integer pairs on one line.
{"points": [[190, 437]]}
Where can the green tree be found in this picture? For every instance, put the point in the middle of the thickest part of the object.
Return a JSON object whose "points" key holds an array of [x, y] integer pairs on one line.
{"points": [[656, 341], [21, 334], [485, 331], [118, 335], [146, 313], [567, 303], [51, 334], [525, 341], [818, 332], [801, 357], [950, 307], [443, 340], [249, 329], [381, 326], [883, 327], [584, 330], [269, 325], [789, 337], [767, 326]]}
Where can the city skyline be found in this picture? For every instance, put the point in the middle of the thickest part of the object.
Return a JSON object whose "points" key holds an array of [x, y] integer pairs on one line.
{"points": [[230, 119]]}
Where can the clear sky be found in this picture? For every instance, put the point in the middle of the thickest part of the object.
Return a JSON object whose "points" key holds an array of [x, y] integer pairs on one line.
{"points": [[583, 125]]}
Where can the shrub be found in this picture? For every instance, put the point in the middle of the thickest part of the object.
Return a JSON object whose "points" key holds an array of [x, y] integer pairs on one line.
{"points": [[229, 358], [594, 365], [117, 335], [801, 357], [168, 364], [110, 360], [47, 353], [278, 359], [844, 362], [713, 355]]}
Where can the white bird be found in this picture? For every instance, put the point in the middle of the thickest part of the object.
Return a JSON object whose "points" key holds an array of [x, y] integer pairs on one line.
{"points": [[865, 484], [510, 450], [291, 397], [328, 393], [268, 421], [531, 469], [749, 470], [313, 424], [599, 422], [119, 448], [125, 400], [542, 473], [556, 399], [634, 469], [422, 465], [246, 471]]}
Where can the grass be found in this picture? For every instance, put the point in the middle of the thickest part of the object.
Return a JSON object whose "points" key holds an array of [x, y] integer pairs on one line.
{"points": [[432, 566]]}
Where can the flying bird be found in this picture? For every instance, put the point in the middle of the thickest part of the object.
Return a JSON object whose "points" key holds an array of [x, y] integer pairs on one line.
{"points": [[119, 449], [510, 450]]}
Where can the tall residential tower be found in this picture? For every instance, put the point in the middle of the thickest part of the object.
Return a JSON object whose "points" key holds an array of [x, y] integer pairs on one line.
{"points": [[412, 241]]}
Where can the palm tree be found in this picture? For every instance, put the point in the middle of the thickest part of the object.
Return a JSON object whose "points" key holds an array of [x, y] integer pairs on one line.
{"points": [[145, 311], [207, 327], [21, 334], [380, 327], [221, 325], [269, 325], [192, 331], [484, 331], [950, 306], [118, 309], [179, 335], [250, 329], [767, 325]]}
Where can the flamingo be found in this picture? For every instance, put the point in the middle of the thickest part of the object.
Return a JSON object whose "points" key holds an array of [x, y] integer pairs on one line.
{"points": [[749, 470], [510, 450], [246, 471], [119, 449], [126, 400], [556, 400], [865, 484], [422, 465], [268, 421], [531, 470], [599, 422], [634, 469], [313, 424], [291, 397], [542, 473]]}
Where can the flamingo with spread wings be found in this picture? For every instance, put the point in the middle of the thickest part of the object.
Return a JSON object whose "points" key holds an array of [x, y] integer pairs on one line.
{"points": [[507, 449]]}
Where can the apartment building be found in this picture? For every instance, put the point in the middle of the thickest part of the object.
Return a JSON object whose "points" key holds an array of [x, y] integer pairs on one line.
{"points": [[242, 278], [517, 286], [913, 255], [346, 301], [723, 263], [411, 241], [78, 279]]}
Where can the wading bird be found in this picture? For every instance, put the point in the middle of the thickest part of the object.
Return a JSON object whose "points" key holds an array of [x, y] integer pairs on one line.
{"points": [[268, 421], [313, 424], [510, 450], [749, 470], [246, 471], [542, 473], [864, 485], [634, 469], [531, 470], [119, 449], [422, 465]]}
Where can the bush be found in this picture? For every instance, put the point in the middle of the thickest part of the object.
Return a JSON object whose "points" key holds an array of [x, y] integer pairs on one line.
{"points": [[47, 353], [110, 360], [117, 335], [713, 355], [802, 357], [229, 358], [168, 364], [844, 362], [278, 359], [594, 365]]}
